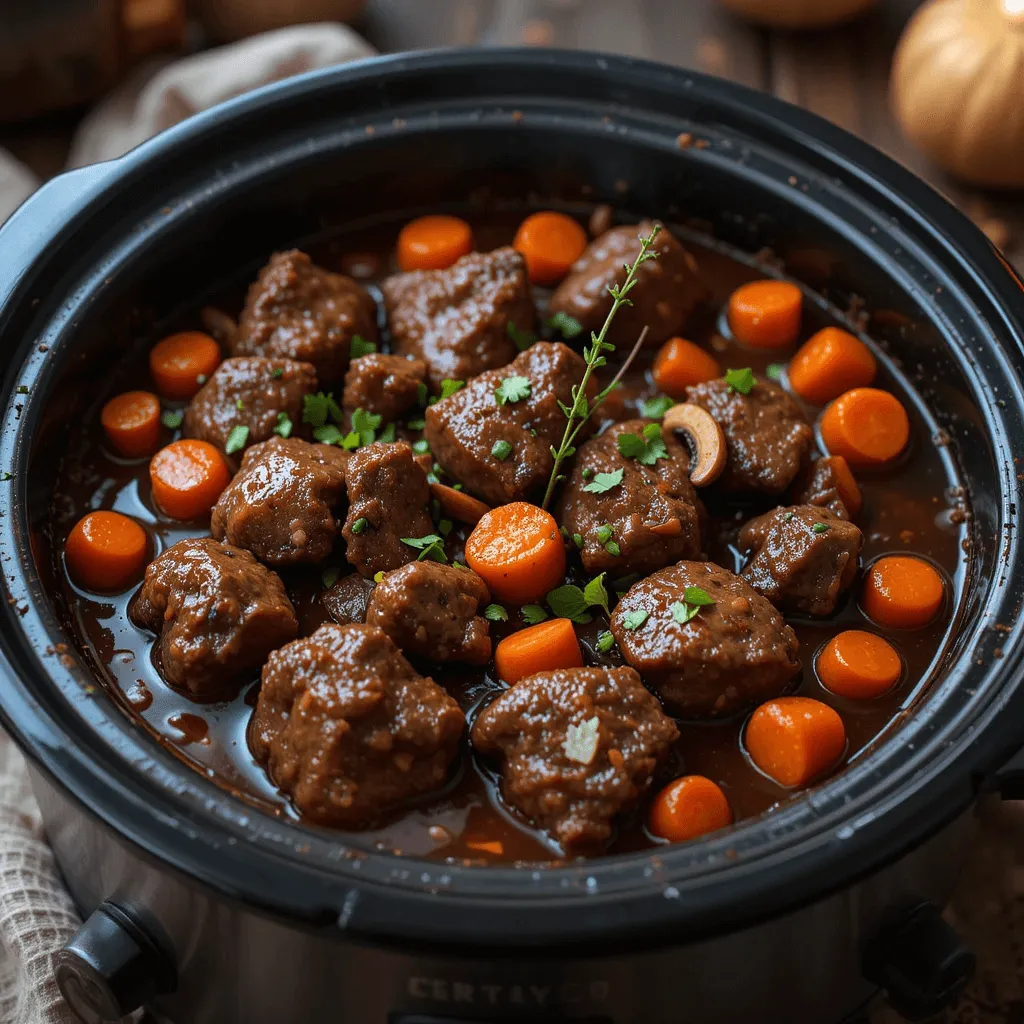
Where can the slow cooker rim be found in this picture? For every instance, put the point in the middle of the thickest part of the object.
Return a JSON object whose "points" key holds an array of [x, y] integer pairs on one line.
{"points": [[318, 80]]}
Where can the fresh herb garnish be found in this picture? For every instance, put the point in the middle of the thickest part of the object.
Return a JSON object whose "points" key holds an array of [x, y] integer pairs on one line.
{"points": [[360, 347], [605, 641], [421, 393], [277, 372], [501, 450], [596, 594], [566, 325], [421, 447], [646, 448], [495, 613], [577, 539], [239, 405], [316, 409], [22, 389], [236, 439], [788, 517], [444, 527], [604, 482], [328, 433], [365, 424], [378, 576], [416, 423], [741, 380], [656, 407], [449, 387], [523, 339], [430, 547], [512, 389], [613, 549], [360, 525], [819, 527], [694, 598], [330, 576], [635, 619], [774, 371], [604, 534], [387, 435], [171, 418], [533, 613], [568, 602], [581, 741]]}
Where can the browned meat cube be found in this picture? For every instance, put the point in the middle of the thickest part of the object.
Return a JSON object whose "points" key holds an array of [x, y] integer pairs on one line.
{"points": [[298, 310], [433, 611], [650, 519], [464, 428], [818, 485], [801, 558], [346, 601], [767, 437], [389, 498], [347, 727], [217, 614], [580, 746], [732, 653], [282, 503], [456, 320], [250, 392], [667, 291], [386, 385]]}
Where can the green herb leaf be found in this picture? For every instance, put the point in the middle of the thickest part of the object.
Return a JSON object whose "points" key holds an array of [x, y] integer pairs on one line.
{"points": [[635, 619], [568, 602], [741, 380], [697, 596], [171, 418], [421, 393], [277, 372], [501, 450], [566, 325], [239, 405], [449, 387], [328, 433], [430, 547], [416, 423], [820, 527], [605, 641], [378, 576], [284, 425], [604, 482], [512, 389], [788, 517], [387, 435], [421, 447], [581, 741], [314, 409], [330, 576], [523, 339], [360, 347], [350, 442], [22, 389], [683, 612], [577, 539], [365, 424], [533, 613], [236, 439], [495, 613], [774, 371], [360, 525], [444, 527], [604, 533], [422, 542], [613, 549], [655, 408], [596, 594], [587, 473], [646, 449]]}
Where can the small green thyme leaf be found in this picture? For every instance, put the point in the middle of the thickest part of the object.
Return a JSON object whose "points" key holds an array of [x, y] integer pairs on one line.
{"points": [[566, 325], [387, 435], [698, 596], [236, 439], [449, 387], [361, 347], [284, 425], [605, 641], [328, 433], [365, 424], [277, 372], [533, 613], [421, 447], [360, 525], [774, 371], [613, 549], [239, 405], [501, 450], [512, 389], [330, 576], [635, 619], [820, 527], [171, 418], [683, 612], [741, 380], [577, 539], [495, 613], [416, 423], [604, 482], [788, 517]]}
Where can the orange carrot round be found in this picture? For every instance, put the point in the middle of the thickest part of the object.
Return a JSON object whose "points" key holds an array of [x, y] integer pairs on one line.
{"points": [[106, 551], [846, 484], [458, 505], [541, 648], [866, 426], [131, 422], [902, 592], [518, 552], [550, 243], [829, 363], [687, 808], [188, 477], [433, 242], [680, 364], [795, 739], [766, 314], [858, 665], [180, 363]]}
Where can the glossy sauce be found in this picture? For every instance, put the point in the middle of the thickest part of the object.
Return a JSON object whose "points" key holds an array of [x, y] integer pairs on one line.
{"points": [[914, 505]]}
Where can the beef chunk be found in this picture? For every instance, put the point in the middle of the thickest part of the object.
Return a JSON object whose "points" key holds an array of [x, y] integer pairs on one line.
{"points": [[767, 437], [388, 490], [346, 601], [667, 291], [801, 558], [432, 610], [281, 504], [217, 614], [819, 485], [463, 429], [580, 746], [457, 320], [735, 652], [386, 385], [654, 514], [250, 392], [298, 310], [347, 727]]}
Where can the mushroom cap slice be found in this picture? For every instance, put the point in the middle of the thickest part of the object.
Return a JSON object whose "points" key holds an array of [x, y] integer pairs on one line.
{"points": [[706, 440]]}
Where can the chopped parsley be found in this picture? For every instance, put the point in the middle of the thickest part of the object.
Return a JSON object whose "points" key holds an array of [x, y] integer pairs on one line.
{"points": [[656, 407], [604, 534], [330, 577], [581, 741], [360, 525], [495, 613], [387, 435], [774, 371], [613, 549], [277, 372], [236, 439], [523, 339], [421, 447], [694, 598], [239, 405], [604, 482], [365, 424], [568, 602], [566, 325], [430, 547], [533, 613], [512, 389], [328, 433], [317, 408], [820, 527], [416, 423], [444, 527], [646, 449], [577, 539], [421, 393], [605, 641], [635, 619], [501, 450], [586, 473], [741, 380], [171, 418], [360, 347], [449, 387], [788, 517]]}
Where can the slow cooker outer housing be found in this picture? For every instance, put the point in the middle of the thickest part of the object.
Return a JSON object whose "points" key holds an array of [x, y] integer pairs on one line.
{"points": [[103, 256]]}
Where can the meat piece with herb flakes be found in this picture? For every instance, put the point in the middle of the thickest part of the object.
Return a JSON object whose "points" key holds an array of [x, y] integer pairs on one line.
{"points": [[801, 558], [495, 435], [386, 385], [819, 485], [579, 746], [457, 320], [247, 400], [705, 640], [217, 614], [298, 310], [633, 514], [282, 503], [767, 437], [667, 291], [389, 499], [346, 599], [349, 729], [433, 611]]}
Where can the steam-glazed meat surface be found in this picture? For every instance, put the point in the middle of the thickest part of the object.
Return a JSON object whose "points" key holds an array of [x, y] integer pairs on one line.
{"points": [[464, 428], [386, 385], [667, 291], [802, 558], [767, 437], [819, 485], [282, 504], [253, 393], [300, 311], [733, 653], [456, 320], [348, 728], [346, 600], [654, 513], [388, 499], [579, 747], [217, 614]]}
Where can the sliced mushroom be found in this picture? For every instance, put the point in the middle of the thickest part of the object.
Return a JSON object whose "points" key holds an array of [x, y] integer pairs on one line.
{"points": [[706, 440]]}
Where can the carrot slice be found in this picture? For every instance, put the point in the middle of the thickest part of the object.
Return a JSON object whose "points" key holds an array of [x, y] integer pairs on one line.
{"points": [[188, 477], [671, 528], [459, 505], [687, 808], [550, 243], [829, 363], [180, 363], [795, 739], [541, 648], [846, 485], [518, 552], [858, 665], [106, 551], [132, 423], [433, 242], [866, 426], [766, 314], [902, 592], [680, 364]]}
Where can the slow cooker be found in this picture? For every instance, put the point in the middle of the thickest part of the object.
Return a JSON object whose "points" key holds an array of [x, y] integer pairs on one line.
{"points": [[210, 910]]}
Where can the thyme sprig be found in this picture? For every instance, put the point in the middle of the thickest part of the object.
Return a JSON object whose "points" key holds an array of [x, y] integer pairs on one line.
{"points": [[581, 410]]}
